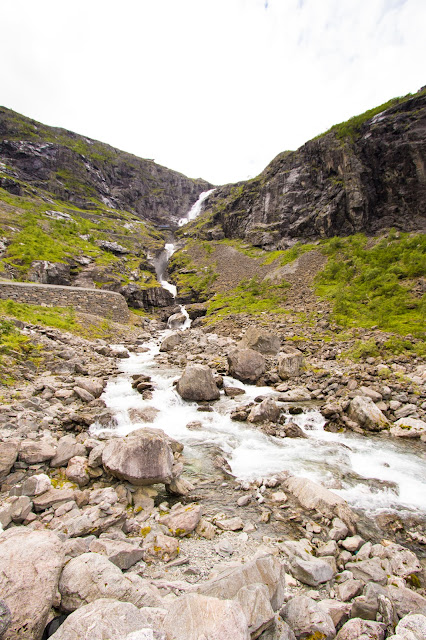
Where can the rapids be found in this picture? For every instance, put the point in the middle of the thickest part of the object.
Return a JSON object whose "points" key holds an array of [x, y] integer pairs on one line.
{"points": [[372, 473]]}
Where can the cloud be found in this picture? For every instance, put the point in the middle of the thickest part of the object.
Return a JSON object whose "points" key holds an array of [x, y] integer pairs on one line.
{"points": [[214, 88]]}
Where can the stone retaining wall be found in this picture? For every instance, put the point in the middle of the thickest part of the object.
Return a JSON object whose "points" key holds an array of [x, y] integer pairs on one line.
{"points": [[106, 304]]}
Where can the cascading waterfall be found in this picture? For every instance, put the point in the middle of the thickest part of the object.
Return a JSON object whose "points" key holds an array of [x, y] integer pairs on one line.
{"points": [[369, 472]]}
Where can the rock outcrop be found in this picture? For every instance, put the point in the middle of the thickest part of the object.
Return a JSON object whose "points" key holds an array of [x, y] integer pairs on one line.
{"points": [[364, 175]]}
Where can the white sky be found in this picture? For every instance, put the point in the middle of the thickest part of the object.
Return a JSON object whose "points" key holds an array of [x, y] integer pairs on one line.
{"points": [[211, 88]]}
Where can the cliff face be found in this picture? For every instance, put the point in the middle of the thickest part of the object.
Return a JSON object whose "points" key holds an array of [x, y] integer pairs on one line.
{"points": [[87, 173], [364, 175]]}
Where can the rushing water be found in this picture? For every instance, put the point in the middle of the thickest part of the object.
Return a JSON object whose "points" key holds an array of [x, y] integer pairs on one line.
{"points": [[371, 473], [353, 466]]}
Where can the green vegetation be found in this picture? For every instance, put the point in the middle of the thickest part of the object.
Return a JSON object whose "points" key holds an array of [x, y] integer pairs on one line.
{"points": [[371, 284], [250, 296], [384, 350], [58, 317], [351, 129], [14, 348], [289, 255], [191, 278]]}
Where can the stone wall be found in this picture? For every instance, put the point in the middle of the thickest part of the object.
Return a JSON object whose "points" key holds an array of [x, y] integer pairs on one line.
{"points": [[106, 304]]}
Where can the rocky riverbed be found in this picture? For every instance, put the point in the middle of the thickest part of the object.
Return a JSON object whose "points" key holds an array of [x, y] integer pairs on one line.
{"points": [[122, 519]]}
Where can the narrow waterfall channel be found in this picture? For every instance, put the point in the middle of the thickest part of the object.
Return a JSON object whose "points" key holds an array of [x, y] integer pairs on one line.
{"points": [[372, 473]]}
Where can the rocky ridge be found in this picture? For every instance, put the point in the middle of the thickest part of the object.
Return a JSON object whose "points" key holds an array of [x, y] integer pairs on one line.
{"points": [[364, 175], [278, 558]]}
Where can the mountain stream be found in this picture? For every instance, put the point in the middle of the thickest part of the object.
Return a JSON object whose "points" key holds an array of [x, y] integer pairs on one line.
{"points": [[372, 473]]}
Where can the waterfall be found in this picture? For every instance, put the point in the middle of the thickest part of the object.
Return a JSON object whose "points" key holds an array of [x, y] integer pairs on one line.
{"points": [[162, 260]]}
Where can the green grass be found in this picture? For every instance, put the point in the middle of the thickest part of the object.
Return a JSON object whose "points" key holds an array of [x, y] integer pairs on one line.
{"points": [[372, 285], [351, 129], [288, 255], [385, 350], [58, 317], [250, 296], [14, 348]]}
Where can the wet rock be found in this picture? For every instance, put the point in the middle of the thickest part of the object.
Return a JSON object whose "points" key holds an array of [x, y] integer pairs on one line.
{"points": [[148, 414], [171, 342], [8, 456], [290, 362], [68, 447], [261, 340], [265, 570], [307, 619], [194, 616], [267, 410], [121, 553], [197, 383], [182, 519], [104, 618], [144, 457], [31, 562], [246, 365], [33, 452], [254, 601], [365, 629], [292, 430], [314, 496], [363, 411], [92, 576], [408, 428], [232, 392]]}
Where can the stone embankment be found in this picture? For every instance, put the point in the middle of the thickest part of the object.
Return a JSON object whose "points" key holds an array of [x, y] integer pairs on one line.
{"points": [[106, 304], [104, 537]]}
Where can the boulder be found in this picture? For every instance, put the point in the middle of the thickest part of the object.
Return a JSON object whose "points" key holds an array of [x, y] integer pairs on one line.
{"points": [[158, 546], [176, 320], [292, 430], [406, 601], [264, 570], [77, 471], [298, 394], [194, 616], [246, 365], [362, 629], [369, 570], [171, 342], [91, 576], [120, 552], [307, 619], [31, 562], [68, 447], [84, 395], [261, 341], [254, 601], [197, 383], [183, 519], [290, 362], [103, 618], [363, 411], [143, 457], [36, 485], [415, 623], [314, 496], [408, 428], [267, 410], [8, 456], [33, 452], [94, 386]]}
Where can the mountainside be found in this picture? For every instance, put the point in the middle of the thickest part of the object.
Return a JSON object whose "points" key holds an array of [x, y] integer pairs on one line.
{"points": [[88, 173], [363, 175], [74, 211]]}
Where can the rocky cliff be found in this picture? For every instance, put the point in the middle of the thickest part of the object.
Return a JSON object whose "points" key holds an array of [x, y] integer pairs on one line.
{"points": [[87, 173], [365, 175]]}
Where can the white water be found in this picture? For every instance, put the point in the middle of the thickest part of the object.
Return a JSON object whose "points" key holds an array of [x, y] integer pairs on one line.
{"points": [[195, 210], [324, 457], [348, 464]]}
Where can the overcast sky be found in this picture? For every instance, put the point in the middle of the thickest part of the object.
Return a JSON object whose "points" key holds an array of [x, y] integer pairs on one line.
{"points": [[211, 88]]}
